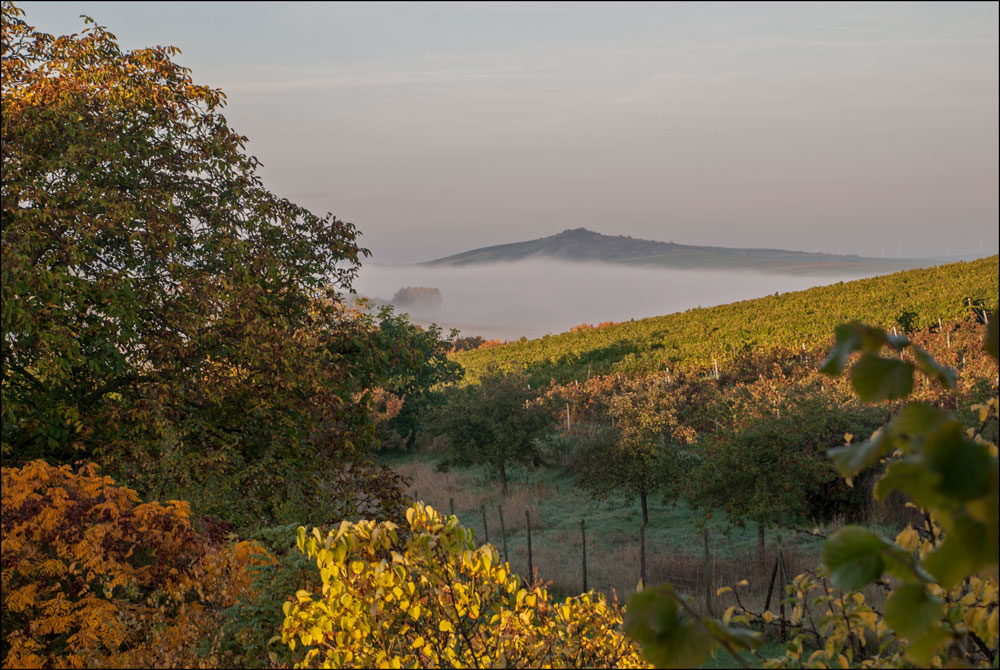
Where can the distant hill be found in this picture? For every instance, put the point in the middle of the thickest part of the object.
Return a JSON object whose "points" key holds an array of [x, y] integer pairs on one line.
{"points": [[580, 244]]}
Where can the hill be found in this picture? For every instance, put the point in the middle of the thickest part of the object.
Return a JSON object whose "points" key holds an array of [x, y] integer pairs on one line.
{"points": [[906, 300], [580, 244]]}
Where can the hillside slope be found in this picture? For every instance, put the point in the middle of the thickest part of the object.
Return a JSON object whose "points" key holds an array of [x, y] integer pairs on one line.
{"points": [[580, 244], [909, 299]]}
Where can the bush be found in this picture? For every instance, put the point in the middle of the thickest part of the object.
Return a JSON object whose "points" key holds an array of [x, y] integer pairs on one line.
{"points": [[434, 600], [94, 578]]}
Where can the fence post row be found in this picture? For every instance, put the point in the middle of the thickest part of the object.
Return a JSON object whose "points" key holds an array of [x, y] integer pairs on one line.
{"points": [[583, 537]]}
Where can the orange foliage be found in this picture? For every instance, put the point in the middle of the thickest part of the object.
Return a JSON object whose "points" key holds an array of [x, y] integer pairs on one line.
{"points": [[491, 343], [91, 577]]}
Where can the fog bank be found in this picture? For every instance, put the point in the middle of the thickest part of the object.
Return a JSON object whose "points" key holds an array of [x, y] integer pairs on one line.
{"points": [[535, 297]]}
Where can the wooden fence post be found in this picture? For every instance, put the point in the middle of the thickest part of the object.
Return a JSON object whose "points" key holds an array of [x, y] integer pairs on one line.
{"points": [[503, 534], [451, 506], [486, 529], [642, 554], [781, 602], [583, 535], [708, 572], [770, 586], [527, 528]]}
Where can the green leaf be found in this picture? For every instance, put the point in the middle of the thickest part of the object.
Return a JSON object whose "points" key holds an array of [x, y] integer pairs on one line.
{"points": [[854, 557], [851, 459], [917, 418], [964, 467], [922, 650], [738, 638], [876, 378], [968, 547], [930, 367], [911, 611], [902, 564], [912, 477], [847, 341], [667, 640]]}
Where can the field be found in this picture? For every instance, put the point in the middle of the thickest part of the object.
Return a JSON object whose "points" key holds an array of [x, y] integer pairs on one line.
{"points": [[674, 543]]}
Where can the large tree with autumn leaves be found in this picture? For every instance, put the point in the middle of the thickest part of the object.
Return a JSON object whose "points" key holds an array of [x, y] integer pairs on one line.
{"points": [[163, 312]]}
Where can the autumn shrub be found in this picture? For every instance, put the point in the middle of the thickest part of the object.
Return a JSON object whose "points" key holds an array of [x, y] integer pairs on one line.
{"points": [[435, 600], [92, 577]]}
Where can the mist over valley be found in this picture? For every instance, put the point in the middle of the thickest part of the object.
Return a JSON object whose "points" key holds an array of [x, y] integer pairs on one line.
{"points": [[533, 297]]}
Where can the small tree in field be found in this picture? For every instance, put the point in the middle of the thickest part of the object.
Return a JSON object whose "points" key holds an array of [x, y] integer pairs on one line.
{"points": [[774, 466], [497, 423], [637, 456]]}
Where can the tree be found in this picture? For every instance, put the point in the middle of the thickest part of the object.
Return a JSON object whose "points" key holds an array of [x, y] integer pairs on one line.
{"points": [[640, 453], [773, 466], [496, 422], [163, 312], [420, 364]]}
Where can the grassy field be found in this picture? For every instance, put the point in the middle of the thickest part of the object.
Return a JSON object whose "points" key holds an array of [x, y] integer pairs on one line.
{"points": [[674, 544]]}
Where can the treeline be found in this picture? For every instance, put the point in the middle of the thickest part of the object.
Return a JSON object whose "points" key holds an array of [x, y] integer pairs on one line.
{"points": [[747, 439]]}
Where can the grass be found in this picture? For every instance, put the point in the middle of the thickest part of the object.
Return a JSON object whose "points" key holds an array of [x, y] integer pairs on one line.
{"points": [[556, 506]]}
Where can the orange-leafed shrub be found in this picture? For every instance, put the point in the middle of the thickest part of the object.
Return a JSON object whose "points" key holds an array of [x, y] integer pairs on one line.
{"points": [[91, 577]]}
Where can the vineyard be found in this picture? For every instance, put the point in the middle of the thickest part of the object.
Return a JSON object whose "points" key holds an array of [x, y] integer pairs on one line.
{"points": [[908, 300]]}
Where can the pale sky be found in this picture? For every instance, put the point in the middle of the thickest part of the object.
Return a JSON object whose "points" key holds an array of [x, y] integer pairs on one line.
{"points": [[436, 128]]}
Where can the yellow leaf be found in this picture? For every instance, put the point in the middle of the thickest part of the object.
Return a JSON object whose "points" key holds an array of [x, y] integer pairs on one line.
{"points": [[721, 590], [445, 626], [419, 642]]}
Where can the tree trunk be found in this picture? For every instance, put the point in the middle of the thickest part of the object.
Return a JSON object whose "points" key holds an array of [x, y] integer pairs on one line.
{"points": [[503, 480], [645, 509]]}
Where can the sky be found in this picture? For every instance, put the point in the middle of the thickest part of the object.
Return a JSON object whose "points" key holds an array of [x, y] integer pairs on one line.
{"points": [[441, 127]]}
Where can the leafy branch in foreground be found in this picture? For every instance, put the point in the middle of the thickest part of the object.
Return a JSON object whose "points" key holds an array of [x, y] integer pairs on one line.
{"points": [[941, 577]]}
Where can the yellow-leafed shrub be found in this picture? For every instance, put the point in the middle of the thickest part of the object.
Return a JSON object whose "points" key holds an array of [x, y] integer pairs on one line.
{"points": [[434, 600], [94, 578]]}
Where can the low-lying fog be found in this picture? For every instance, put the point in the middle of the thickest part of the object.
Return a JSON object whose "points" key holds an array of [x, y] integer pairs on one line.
{"points": [[535, 297]]}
